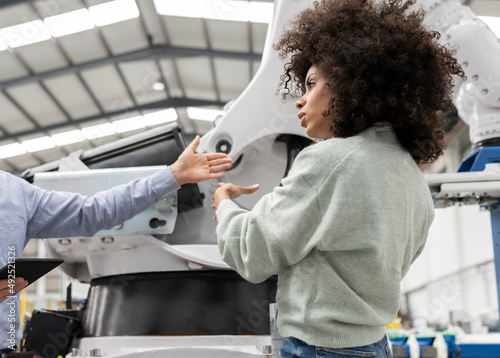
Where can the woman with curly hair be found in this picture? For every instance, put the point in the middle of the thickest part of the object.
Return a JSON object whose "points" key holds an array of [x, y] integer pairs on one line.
{"points": [[354, 212]]}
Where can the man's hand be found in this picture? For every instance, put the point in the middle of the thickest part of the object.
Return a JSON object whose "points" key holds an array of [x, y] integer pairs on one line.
{"points": [[230, 191], [194, 168], [11, 289]]}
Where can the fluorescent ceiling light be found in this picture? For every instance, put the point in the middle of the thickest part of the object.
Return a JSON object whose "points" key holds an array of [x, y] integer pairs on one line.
{"points": [[128, 124], [25, 34], [203, 114], [70, 137], [98, 131], [493, 23], [69, 23], [37, 144], [159, 117], [114, 11], [158, 86], [11, 150], [231, 10]]}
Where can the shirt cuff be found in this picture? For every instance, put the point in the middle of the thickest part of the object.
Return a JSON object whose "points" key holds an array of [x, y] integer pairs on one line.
{"points": [[164, 182]]}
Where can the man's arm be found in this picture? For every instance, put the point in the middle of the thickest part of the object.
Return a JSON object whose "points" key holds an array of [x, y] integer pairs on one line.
{"points": [[60, 214]]}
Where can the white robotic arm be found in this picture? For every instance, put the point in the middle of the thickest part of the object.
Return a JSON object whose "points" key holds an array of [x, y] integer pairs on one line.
{"points": [[477, 99], [478, 51]]}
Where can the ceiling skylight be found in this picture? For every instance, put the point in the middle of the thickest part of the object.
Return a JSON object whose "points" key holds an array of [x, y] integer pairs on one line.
{"points": [[69, 23], [128, 124], [37, 144], [11, 150], [3, 45], [114, 11], [232, 10], [159, 117], [203, 114], [70, 137], [25, 34], [87, 133], [98, 131]]}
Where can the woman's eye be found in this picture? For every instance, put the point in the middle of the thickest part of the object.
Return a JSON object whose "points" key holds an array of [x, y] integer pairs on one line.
{"points": [[310, 84]]}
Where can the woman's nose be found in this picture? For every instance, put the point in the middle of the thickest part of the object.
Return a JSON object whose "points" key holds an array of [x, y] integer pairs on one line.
{"points": [[300, 103]]}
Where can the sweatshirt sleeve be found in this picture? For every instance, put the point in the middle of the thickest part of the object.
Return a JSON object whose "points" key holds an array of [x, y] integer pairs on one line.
{"points": [[59, 214], [278, 232]]}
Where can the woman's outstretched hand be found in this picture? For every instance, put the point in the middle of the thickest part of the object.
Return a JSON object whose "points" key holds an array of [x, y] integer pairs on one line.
{"points": [[230, 191], [191, 167]]}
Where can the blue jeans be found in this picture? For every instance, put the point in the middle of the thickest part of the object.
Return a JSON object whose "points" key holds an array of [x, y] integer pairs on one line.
{"points": [[3, 352], [295, 348]]}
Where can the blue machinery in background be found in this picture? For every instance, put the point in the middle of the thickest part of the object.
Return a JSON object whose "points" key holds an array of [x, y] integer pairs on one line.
{"points": [[401, 348], [476, 162], [474, 183]]}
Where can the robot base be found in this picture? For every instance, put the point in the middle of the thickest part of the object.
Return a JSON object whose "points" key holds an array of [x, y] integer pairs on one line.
{"points": [[178, 303]]}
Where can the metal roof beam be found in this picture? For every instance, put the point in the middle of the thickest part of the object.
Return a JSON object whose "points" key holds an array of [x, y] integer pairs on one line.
{"points": [[152, 53], [6, 3], [166, 103]]}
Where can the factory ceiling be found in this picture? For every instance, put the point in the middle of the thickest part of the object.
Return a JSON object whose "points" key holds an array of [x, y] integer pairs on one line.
{"points": [[76, 74]]}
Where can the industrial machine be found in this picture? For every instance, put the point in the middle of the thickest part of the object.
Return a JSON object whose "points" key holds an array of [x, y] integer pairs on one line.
{"points": [[158, 285]]}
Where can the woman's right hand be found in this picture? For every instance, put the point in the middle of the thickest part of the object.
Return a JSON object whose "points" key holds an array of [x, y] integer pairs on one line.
{"points": [[230, 191]]}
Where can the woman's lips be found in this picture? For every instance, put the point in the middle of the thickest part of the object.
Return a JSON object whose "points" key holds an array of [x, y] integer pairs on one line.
{"points": [[302, 119]]}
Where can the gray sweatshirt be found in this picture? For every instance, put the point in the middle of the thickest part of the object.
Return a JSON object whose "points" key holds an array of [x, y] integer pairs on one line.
{"points": [[340, 233]]}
